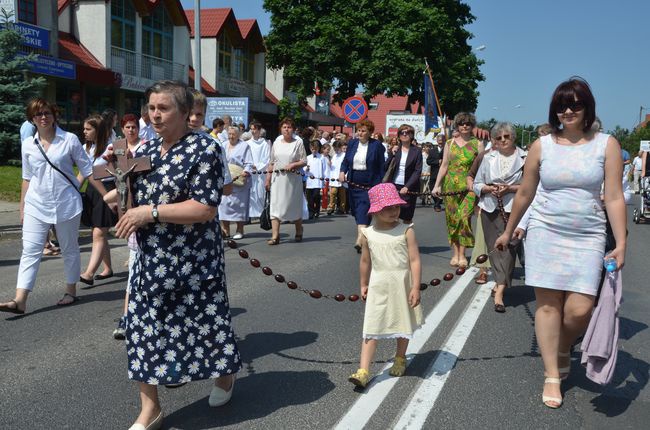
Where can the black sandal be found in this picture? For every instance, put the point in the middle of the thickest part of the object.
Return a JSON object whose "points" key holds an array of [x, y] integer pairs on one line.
{"points": [[102, 277], [75, 299]]}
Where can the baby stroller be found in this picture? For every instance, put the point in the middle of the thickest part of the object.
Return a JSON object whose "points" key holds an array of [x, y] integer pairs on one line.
{"points": [[643, 212]]}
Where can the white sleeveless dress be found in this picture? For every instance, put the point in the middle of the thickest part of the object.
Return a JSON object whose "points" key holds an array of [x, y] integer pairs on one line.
{"points": [[565, 241], [388, 314]]}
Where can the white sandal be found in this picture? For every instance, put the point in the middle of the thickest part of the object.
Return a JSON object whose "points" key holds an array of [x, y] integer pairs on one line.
{"points": [[219, 396], [546, 399]]}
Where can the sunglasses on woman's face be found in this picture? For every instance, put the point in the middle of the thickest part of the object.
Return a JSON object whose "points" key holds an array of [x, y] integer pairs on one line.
{"points": [[405, 133], [576, 106], [504, 137], [465, 124]]}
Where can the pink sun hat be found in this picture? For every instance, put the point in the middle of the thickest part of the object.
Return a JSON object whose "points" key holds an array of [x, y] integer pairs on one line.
{"points": [[382, 196]]}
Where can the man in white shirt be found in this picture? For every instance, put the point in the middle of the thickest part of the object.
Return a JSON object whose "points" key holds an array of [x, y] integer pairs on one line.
{"points": [[146, 132]]}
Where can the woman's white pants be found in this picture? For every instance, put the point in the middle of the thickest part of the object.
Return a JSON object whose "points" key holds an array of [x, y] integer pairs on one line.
{"points": [[34, 238]]}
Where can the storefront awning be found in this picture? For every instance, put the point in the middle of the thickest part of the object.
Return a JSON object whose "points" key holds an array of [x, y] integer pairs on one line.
{"points": [[89, 69]]}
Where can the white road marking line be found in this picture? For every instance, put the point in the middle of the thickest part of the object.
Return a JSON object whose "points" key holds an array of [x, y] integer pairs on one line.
{"points": [[422, 402], [377, 390]]}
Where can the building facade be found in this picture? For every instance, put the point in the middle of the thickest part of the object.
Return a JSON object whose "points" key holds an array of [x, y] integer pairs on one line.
{"points": [[98, 54]]}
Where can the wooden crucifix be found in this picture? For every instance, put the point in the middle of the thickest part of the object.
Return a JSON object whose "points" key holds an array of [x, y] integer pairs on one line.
{"points": [[122, 169]]}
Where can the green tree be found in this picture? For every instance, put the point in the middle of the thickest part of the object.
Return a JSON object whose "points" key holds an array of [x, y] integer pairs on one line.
{"points": [[15, 88], [632, 141], [377, 44]]}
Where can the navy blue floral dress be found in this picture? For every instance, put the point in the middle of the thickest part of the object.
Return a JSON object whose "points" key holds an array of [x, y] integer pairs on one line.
{"points": [[178, 321]]}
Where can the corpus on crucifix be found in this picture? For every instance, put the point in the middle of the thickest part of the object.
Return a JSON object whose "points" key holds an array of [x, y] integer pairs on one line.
{"points": [[122, 168]]}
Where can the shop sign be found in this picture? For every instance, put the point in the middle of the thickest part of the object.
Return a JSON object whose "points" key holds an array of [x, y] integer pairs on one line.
{"points": [[416, 121], [35, 37], [645, 146], [136, 83], [236, 107], [53, 67]]}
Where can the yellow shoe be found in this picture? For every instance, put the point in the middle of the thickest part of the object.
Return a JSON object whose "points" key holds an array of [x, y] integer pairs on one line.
{"points": [[360, 378], [399, 367]]}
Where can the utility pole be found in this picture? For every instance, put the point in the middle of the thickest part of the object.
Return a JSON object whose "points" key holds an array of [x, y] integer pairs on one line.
{"points": [[197, 45]]}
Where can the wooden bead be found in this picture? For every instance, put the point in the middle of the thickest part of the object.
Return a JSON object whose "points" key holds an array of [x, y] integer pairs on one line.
{"points": [[267, 271], [255, 262], [232, 244], [315, 294], [353, 298], [279, 278], [460, 271], [434, 282], [243, 253], [448, 276], [339, 297], [423, 287], [292, 285], [482, 258]]}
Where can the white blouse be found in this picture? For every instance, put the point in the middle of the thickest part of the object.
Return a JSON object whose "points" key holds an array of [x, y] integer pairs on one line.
{"points": [[400, 172], [359, 161], [50, 197]]}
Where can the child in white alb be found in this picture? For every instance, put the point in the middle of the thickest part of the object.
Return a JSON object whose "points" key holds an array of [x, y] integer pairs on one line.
{"points": [[316, 171], [390, 281]]}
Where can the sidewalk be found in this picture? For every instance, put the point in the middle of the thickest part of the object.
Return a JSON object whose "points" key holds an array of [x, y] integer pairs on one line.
{"points": [[10, 227]]}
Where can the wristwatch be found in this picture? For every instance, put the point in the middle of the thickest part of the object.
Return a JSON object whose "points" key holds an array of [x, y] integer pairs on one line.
{"points": [[154, 213]]}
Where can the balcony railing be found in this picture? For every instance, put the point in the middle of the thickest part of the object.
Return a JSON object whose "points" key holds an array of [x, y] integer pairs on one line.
{"points": [[239, 88], [146, 66]]}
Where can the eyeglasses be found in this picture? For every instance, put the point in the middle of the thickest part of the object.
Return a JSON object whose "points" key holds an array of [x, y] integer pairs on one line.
{"points": [[465, 124], [405, 133], [40, 114], [576, 106], [504, 137]]}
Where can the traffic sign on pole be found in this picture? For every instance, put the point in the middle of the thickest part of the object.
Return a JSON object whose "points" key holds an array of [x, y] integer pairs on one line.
{"points": [[355, 109]]}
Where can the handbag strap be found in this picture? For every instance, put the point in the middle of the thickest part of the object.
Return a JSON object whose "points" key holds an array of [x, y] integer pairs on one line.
{"points": [[40, 148]]}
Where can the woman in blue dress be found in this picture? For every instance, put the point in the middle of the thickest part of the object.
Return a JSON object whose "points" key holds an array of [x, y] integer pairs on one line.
{"points": [[178, 323]]}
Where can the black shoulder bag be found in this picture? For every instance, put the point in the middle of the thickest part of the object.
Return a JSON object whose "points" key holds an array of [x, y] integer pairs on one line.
{"points": [[86, 212]]}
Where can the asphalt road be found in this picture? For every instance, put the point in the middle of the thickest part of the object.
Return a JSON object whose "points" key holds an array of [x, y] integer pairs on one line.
{"points": [[60, 367]]}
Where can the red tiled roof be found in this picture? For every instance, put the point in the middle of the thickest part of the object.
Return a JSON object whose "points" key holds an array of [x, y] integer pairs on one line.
{"points": [[217, 20], [269, 95], [72, 50], [88, 68], [61, 4], [212, 21], [205, 86], [245, 26]]}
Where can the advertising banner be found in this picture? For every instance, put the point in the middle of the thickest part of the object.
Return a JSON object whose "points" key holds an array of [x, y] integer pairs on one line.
{"points": [[393, 121], [236, 107]]}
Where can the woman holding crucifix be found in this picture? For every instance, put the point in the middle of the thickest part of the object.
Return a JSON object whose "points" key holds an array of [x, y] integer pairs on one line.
{"points": [[178, 294]]}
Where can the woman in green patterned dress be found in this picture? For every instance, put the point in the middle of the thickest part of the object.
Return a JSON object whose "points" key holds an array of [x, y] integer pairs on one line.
{"points": [[457, 159]]}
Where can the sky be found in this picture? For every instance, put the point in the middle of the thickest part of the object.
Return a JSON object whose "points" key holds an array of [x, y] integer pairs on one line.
{"points": [[531, 46]]}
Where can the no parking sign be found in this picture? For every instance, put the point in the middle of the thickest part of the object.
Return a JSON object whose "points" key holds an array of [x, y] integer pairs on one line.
{"points": [[355, 109]]}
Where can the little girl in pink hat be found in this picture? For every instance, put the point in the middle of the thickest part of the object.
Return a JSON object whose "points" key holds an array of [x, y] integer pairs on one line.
{"points": [[390, 281]]}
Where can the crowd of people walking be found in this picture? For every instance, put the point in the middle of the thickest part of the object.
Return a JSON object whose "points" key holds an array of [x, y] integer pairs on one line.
{"points": [[203, 180]]}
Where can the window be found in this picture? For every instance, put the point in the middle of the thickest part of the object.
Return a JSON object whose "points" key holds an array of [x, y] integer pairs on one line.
{"points": [[123, 24], [27, 11], [225, 56], [158, 34], [249, 67]]}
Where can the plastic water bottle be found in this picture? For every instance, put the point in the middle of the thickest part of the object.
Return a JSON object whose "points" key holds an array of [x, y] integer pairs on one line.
{"points": [[609, 264]]}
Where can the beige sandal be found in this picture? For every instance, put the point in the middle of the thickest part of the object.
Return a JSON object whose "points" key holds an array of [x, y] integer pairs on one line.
{"points": [[547, 399]]}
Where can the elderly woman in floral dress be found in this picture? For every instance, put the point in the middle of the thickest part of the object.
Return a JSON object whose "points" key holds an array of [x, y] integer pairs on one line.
{"points": [[178, 323]]}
